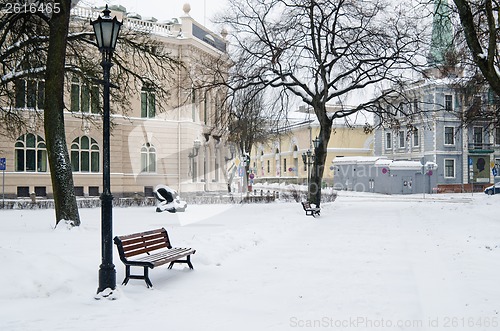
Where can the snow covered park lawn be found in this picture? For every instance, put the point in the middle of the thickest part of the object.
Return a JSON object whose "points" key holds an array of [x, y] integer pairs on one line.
{"points": [[370, 262]]}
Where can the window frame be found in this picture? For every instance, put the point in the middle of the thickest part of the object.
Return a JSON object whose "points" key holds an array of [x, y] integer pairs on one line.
{"points": [[447, 167], [388, 140], [83, 97], [448, 102], [148, 158], [84, 157], [416, 137], [402, 139], [445, 142], [33, 151]]}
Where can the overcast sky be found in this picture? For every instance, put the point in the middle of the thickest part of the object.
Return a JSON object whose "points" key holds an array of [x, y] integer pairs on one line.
{"points": [[201, 10]]}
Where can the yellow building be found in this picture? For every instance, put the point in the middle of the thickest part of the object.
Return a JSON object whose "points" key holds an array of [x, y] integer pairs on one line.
{"points": [[178, 147], [280, 159]]}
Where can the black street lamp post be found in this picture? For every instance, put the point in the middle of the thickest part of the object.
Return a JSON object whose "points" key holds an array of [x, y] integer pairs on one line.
{"points": [[307, 159], [106, 31], [192, 155]]}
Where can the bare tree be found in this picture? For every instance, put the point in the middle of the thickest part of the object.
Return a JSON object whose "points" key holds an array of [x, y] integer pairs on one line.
{"points": [[42, 44], [323, 51], [479, 26], [251, 121]]}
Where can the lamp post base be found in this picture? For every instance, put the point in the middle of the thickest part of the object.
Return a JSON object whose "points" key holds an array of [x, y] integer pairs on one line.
{"points": [[107, 281]]}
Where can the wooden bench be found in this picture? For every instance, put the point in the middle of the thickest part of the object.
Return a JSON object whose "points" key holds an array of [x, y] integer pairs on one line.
{"points": [[310, 211], [148, 250]]}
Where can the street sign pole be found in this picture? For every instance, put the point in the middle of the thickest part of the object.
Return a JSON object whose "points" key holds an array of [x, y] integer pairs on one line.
{"points": [[2, 167]]}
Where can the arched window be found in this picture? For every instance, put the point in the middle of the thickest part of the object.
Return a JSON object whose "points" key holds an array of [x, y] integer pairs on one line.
{"points": [[85, 155], [148, 158], [31, 153]]}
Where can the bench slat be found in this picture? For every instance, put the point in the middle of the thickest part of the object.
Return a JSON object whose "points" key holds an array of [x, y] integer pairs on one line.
{"points": [[145, 246], [165, 256]]}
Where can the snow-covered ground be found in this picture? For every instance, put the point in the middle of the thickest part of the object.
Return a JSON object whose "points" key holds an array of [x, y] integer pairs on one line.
{"points": [[370, 262]]}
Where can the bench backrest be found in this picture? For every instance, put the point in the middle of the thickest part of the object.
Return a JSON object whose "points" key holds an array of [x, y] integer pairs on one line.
{"points": [[143, 242], [306, 204]]}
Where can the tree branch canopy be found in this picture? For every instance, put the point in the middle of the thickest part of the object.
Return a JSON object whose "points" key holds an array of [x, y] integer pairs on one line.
{"points": [[478, 22]]}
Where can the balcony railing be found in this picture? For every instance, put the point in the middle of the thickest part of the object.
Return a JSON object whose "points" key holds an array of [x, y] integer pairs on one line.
{"points": [[480, 147]]}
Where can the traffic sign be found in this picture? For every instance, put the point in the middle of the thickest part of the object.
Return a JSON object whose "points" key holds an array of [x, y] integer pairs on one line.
{"points": [[494, 171], [2, 163]]}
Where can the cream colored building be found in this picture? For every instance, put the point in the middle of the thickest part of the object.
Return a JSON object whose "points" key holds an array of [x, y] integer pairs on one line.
{"points": [[280, 159], [147, 147]]}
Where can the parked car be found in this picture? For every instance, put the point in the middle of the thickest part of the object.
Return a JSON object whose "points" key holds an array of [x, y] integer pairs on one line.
{"points": [[493, 189]]}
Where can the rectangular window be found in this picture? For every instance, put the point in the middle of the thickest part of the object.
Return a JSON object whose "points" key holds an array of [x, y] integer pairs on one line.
{"points": [[93, 191], [31, 94], [449, 168], [497, 136], [448, 102], [94, 162], [148, 104], [402, 139], [415, 138], [85, 161], [20, 87], [478, 135], [151, 105], [30, 160], [79, 191], [152, 162], [388, 140], [148, 191], [94, 99], [75, 160], [268, 166], [40, 191], [415, 105], [20, 160], [23, 191], [75, 97], [41, 94], [85, 99], [41, 160], [284, 165], [449, 135]]}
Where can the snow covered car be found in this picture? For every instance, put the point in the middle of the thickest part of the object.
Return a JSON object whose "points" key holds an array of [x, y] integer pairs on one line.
{"points": [[493, 189], [168, 199]]}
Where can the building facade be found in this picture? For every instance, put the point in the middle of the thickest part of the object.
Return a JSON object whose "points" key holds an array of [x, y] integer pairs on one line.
{"points": [[179, 147], [280, 159], [433, 120]]}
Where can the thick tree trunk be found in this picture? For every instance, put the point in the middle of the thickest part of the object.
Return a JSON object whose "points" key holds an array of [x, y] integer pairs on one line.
{"points": [[314, 190], [55, 135]]}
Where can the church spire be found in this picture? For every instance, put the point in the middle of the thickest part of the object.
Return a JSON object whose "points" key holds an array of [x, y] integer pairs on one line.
{"points": [[442, 34]]}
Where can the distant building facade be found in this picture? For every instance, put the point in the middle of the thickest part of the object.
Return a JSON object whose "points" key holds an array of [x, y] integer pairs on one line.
{"points": [[280, 160], [176, 147], [432, 120]]}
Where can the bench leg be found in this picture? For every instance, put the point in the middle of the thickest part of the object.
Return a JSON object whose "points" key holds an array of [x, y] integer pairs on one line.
{"points": [[187, 261], [145, 276], [127, 275]]}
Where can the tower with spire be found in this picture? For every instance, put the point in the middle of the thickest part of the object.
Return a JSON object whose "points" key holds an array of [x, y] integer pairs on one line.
{"points": [[442, 48]]}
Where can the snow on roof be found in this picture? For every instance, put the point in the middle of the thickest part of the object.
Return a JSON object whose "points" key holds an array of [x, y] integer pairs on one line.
{"points": [[356, 159], [405, 165], [379, 161]]}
